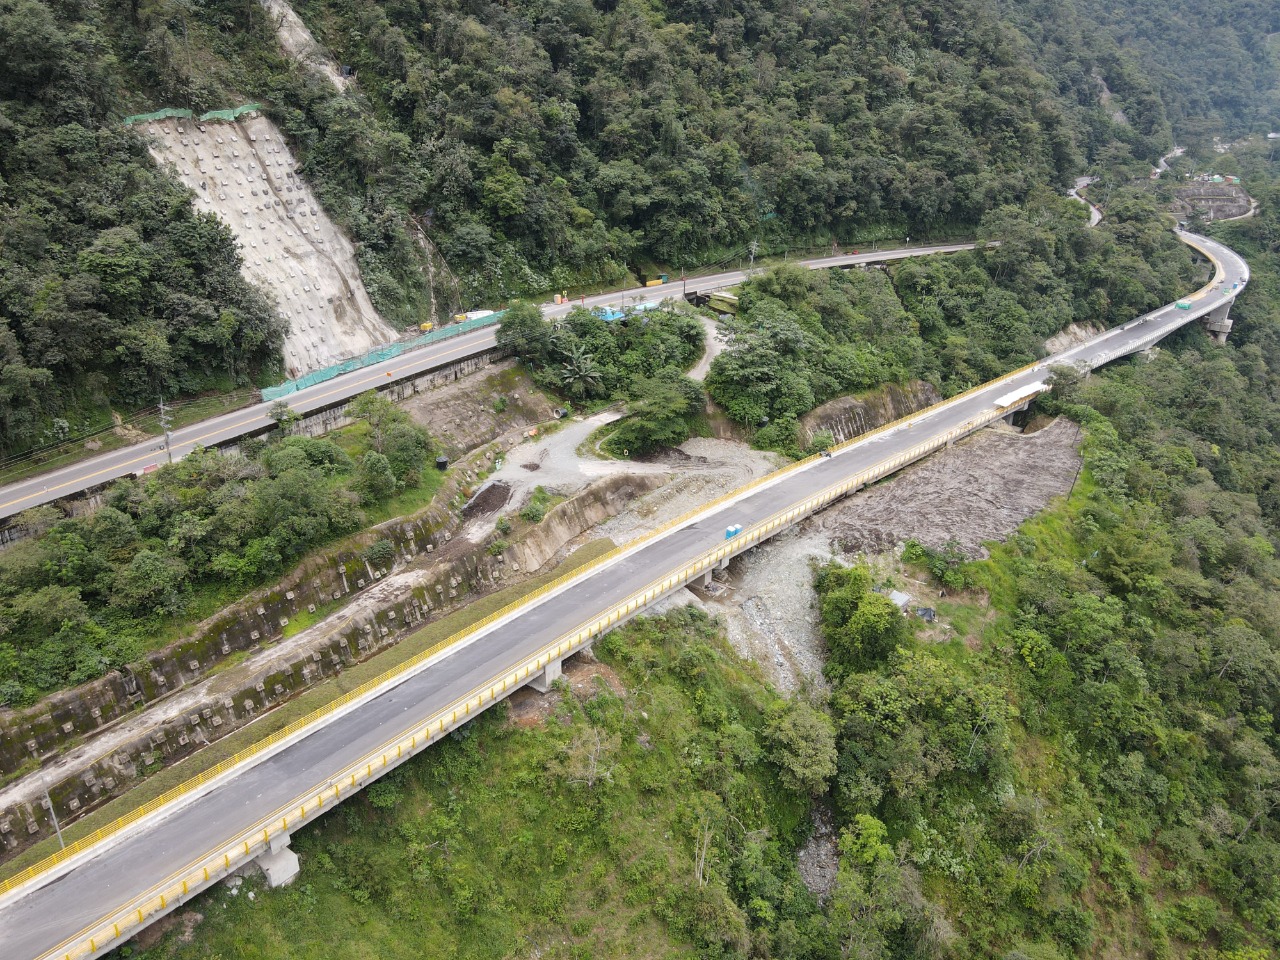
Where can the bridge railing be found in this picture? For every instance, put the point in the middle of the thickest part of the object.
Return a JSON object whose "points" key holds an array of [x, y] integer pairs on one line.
{"points": [[260, 748], [282, 821], [180, 884]]}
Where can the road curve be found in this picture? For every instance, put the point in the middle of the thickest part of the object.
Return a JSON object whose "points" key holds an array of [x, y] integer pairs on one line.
{"points": [[73, 909], [95, 471]]}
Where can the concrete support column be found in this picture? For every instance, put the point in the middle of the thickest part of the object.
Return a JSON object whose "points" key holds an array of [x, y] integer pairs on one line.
{"points": [[1218, 323], [550, 674], [279, 864]]}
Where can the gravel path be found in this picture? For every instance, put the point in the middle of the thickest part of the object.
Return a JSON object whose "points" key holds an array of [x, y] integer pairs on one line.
{"points": [[717, 341]]}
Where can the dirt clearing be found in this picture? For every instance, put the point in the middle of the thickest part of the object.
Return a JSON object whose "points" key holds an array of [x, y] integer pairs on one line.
{"points": [[707, 469]]}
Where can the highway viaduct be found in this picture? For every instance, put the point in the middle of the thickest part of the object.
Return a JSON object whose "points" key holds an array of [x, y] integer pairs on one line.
{"points": [[104, 889], [414, 366]]}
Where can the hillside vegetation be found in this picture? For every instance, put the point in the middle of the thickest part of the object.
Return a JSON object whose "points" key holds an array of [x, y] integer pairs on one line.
{"points": [[84, 595], [541, 146]]}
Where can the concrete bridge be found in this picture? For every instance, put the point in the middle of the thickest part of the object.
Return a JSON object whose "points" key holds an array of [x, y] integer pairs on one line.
{"points": [[103, 890]]}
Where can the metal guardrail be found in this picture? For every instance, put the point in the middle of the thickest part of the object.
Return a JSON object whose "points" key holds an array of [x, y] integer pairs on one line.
{"points": [[204, 778], [195, 876], [283, 821]]}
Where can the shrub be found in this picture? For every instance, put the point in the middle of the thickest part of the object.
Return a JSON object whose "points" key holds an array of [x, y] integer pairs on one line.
{"points": [[380, 552], [537, 507]]}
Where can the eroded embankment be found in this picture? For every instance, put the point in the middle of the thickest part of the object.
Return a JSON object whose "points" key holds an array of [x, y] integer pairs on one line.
{"points": [[976, 492]]}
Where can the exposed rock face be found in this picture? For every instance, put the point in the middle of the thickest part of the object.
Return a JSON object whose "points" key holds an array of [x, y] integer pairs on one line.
{"points": [[297, 42], [849, 417], [244, 173], [1075, 333]]}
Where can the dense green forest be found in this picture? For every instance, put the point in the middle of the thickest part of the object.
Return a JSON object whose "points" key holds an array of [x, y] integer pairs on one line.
{"points": [[84, 595], [541, 145], [802, 337], [1171, 66]]}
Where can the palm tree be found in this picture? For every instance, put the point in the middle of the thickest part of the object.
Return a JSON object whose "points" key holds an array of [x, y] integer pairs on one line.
{"points": [[581, 375]]}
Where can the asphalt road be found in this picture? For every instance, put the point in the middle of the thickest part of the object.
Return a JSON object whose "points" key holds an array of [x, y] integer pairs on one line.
{"points": [[226, 428], [35, 923]]}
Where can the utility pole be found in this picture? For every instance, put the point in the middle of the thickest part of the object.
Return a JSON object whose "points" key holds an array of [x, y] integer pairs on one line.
{"points": [[165, 420], [754, 248]]}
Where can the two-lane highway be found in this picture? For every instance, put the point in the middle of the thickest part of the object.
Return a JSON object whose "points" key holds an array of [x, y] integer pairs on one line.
{"points": [[74, 910], [101, 469]]}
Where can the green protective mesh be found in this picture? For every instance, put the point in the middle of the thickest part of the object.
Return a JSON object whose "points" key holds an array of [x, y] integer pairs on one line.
{"points": [[164, 114], [377, 356], [229, 115], [233, 114]]}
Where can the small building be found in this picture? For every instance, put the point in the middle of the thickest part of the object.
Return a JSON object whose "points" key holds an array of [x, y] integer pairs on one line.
{"points": [[927, 614], [900, 600]]}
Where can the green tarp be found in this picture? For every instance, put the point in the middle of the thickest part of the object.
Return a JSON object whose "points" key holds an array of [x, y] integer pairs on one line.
{"points": [[164, 114], [388, 352], [233, 113]]}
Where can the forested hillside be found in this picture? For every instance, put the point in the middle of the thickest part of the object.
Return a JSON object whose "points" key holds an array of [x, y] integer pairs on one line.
{"points": [[1160, 66], [541, 146]]}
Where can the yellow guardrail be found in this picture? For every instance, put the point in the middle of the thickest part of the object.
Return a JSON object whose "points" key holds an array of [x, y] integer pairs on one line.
{"points": [[181, 883], [284, 820], [255, 749]]}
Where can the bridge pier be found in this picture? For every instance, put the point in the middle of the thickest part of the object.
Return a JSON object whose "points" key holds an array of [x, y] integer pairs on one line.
{"points": [[279, 864], [1218, 323], [549, 675]]}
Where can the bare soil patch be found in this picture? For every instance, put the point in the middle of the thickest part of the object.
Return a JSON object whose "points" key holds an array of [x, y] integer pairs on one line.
{"points": [[499, 403], [492, 496], [585, 675]]}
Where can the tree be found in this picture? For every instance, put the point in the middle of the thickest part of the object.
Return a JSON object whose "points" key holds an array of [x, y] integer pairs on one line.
{"points": [[659, 410], [379, 412], [407, 448], [869, 633], [587, 760], [803, 742], [375, 481], [580, 375], [867, 904], [523, 333], [284, 415], [151, 583]]}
